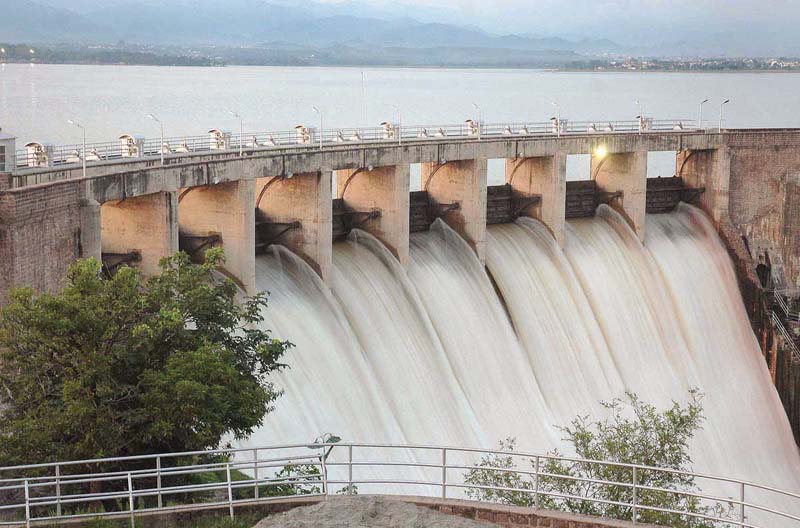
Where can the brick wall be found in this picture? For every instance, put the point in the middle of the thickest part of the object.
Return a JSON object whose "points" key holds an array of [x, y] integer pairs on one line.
{"points": [[39, 236]]}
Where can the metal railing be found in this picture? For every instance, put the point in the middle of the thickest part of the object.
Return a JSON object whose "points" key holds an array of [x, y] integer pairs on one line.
{"points": [[43, 156], [789, 340], [782, 302], [133, 486]]}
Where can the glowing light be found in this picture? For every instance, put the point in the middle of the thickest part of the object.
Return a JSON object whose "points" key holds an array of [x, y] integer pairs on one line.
{"points": [[600, 152]]}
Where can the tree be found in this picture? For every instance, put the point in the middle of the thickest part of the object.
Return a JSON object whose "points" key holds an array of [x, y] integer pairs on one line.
{"points": [[126, 365], [634, 433]]}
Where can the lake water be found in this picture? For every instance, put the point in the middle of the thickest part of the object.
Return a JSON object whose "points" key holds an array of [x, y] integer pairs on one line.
{"points": [[36, 102]]}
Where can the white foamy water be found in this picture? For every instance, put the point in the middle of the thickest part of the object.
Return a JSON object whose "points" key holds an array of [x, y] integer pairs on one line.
{"points": [[440, 354]]}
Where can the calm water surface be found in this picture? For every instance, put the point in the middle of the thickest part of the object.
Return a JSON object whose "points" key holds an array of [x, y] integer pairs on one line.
{"points": [[36, 102]]}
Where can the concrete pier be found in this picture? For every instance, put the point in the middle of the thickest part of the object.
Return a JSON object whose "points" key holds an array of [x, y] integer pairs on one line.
{"points": [[711, 170], [227, 210], [305, 198], [145, 224], [625, 173], [383, 189], [462, 184], [545, 177]]}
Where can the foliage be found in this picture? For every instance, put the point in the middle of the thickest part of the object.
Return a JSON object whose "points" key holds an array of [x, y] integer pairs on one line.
{"points": [[126, 365], [634, 433]]}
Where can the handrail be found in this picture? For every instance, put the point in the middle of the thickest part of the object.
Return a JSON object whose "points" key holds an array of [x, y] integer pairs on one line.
{"points": [[793, 316], [40, 493], [43, 156], [791, 344]]}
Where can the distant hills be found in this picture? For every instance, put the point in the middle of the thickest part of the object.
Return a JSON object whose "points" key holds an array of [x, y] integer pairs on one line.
{"points": [[261, 24]]}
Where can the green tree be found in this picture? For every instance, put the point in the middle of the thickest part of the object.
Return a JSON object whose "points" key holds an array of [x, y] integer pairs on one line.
{"points": [[633, 433], [126, 365]]}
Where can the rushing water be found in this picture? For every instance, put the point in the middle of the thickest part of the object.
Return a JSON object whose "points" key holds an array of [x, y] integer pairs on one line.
{"points": [[450, 352]]}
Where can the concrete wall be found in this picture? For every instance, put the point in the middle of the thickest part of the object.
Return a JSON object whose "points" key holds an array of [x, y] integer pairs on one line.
{"points": [[709, 169], [545, 176], [147, 224], [385, 189], [228, 210], [305, 197], [626, 172], [462, 183]]}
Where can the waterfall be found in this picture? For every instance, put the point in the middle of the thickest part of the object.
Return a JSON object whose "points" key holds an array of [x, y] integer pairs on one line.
{"points": [[449, 351]]}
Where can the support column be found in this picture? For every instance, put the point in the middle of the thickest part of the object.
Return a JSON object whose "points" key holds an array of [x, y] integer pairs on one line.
{"points": [[710, 169], [304, 198], [385, 189], [545, 176], [147, 224], [463, 183], [626, 172], [226, 210]]}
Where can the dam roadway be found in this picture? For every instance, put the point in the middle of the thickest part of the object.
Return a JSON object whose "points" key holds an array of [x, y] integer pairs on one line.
{"points": [[131, 204]]}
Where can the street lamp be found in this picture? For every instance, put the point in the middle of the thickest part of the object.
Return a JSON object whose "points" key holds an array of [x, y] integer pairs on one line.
{"points": [[558, 117], [241, 132], [726, 101], [161, 145], [480, 119], [83, 152], [399, 124], [700, 115], [641, 115], [315, 109]]}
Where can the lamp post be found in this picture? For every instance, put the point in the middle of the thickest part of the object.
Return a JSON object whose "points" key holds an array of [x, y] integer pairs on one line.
{"points": [[315, 109], [161, 145], [641, 115], [241, 132], [726, 101], [558, 117], [83, 152], [480, 119], [700, 114], [399, 124]]}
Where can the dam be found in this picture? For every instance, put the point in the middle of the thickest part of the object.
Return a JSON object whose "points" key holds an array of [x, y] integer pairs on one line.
{"points": [[463, 313]]}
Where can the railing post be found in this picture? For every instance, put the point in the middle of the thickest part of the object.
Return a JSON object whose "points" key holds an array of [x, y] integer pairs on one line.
{"points": [[741, 506], [323, 459], [58, 491], [634, 495], [158, 481], [444, 473], [130, 499], [350, 469], [255, 473], [230, 489], [27, 505], [536, 484]]}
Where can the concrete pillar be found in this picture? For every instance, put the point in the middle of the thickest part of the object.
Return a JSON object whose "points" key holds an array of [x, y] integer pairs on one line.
{"points": [[626, 172], [307, 198], [710, 169], [227, 210], [545, 176], [386, 189], [463, 183], [147, 224]]}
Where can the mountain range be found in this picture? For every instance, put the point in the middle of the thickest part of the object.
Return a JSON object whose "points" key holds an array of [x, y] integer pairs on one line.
{"points": [[252, 23]]}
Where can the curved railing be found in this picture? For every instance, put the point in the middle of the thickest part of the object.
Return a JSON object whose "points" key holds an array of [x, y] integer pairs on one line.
{"points": [[133, 486], [42, 156]]}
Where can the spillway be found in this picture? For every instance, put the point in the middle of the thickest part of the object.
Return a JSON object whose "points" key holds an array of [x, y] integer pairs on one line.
{"points": [[452, 352]]}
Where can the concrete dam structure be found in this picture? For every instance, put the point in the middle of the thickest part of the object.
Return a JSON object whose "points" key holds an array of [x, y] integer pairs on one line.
{"points": [[462, 313]]}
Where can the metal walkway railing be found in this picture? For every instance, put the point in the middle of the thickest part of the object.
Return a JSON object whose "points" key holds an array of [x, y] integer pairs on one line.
{"points": [[134, 486], [40, 155]]}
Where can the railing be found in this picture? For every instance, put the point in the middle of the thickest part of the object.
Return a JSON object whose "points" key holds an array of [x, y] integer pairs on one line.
{"points": [[789, 340], [43, 156], [133, 486], [783, 303]]}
